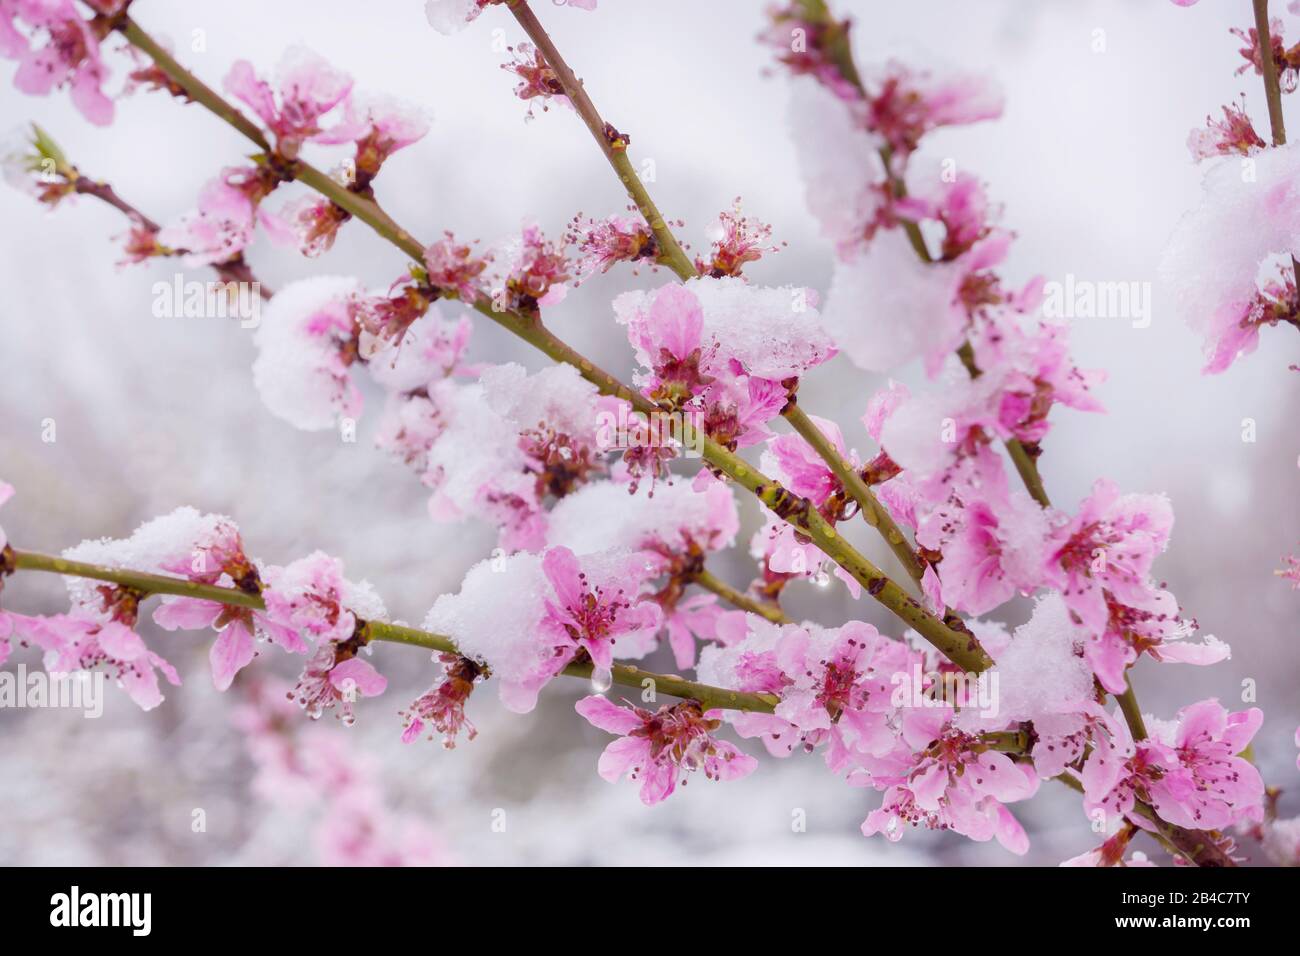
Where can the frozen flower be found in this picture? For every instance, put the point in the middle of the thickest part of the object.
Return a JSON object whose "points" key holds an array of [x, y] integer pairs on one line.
{"points": [[379, 125], [229, 208], [958, 203], [992, 545], [511, 442], [69, 57], [312, 597], [314, 222], [845, 185], [672, 528], [1109, 546], [1111, 852], [1213, 260], [306, 344], [1188, 770], [238, 630], [903, 104], [594, 614], [1205, 785], [1234, 329], [955, 783], [1152, 624], [560, 606], [450, 16], [537, 80], [431, 347], [737, 240], [75, 643], [1234, 134], [656, 747], [835, 684], [388, 316], [443, 704], [1286, 62], [887, 307], [604, 242], [453, 266], [723, 349], [306, 89], [335, 676], [536, 271]]}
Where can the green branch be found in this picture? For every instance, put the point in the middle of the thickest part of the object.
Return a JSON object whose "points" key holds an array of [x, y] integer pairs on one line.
{"points": [[151, 584], [961, 648]]}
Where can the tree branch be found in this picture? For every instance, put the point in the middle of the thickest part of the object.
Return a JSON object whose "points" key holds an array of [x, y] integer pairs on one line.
{"points": [[151, 584], [961, 648]]}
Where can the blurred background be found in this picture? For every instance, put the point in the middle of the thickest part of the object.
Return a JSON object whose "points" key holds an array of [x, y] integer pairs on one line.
{"points": [[1091, 166]]}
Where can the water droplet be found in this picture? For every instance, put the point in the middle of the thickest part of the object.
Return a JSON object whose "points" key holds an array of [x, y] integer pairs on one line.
{"points": [[602, 679], [822, 578]]}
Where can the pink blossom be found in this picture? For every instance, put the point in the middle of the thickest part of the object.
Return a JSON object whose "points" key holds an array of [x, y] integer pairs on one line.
{"points": [[992, 547], [604, 242], [656, 747], [379, 125], [311, 596], [333, 676], [1286, 62], [804, 471], [835, 686], [737, 240], [222, 224], [1289, 571], [1153, 625], [74, 643], [1188, 770], [955, 783], [306, 89], [443, 704], [314, 223], [903, 104], [70, 57], [724, 349], [594, 614], [1111, 852], [536, 271], [307, 343], [1205, 784], [1218, 288], [454, 267], [238, 629], [537, 80], [688, 620], [1234, 134], [528, 640], [1109, 546], [1233, 330], [958, 203]]}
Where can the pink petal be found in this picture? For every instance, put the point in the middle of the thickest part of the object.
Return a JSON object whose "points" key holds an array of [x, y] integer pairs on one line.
{"points": [[231, 652], [367, 681]]}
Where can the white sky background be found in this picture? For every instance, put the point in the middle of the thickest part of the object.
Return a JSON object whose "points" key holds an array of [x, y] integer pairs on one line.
{"points": [[1089, 161]]}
